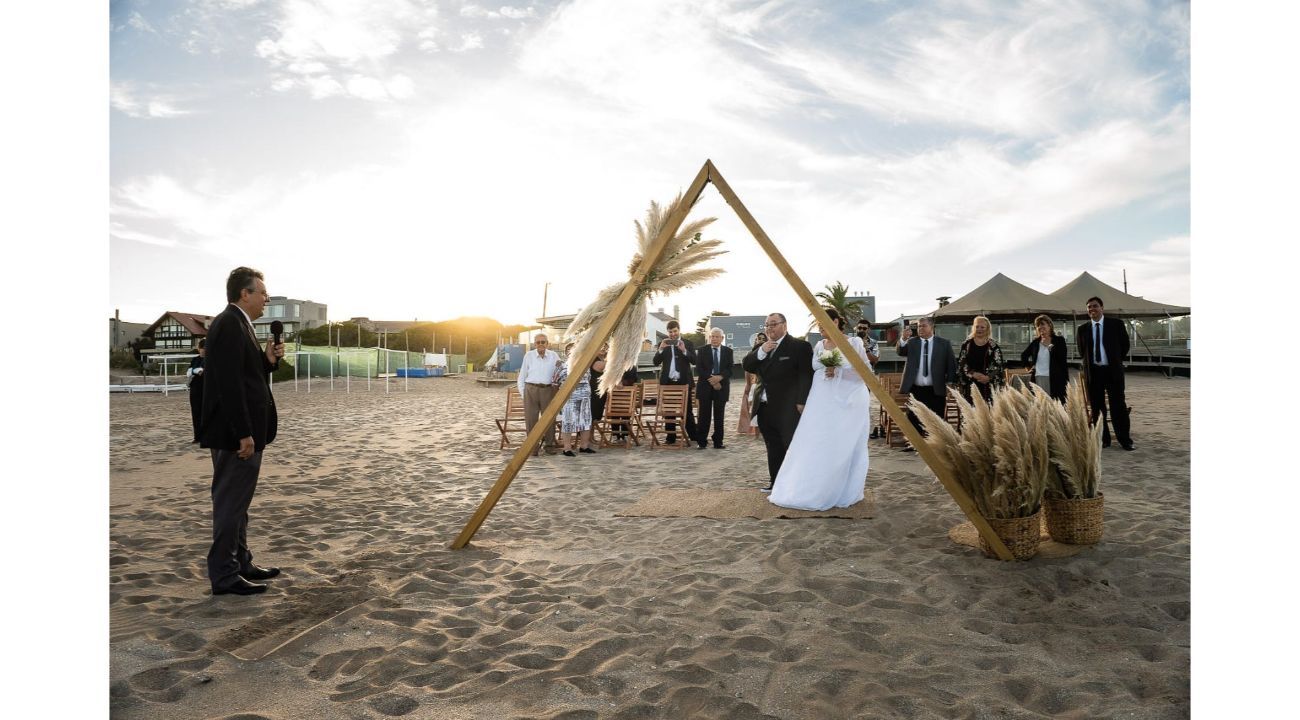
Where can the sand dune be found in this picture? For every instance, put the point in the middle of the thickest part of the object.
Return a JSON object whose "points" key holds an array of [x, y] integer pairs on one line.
{"points": [[561, 609]]}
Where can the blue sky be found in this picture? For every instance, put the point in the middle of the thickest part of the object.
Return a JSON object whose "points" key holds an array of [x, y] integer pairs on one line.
{"points": [[400, 159]]}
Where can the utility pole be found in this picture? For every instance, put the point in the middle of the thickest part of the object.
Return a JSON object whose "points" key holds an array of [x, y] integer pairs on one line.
{"points": [[545, 291], [1126, 281]]}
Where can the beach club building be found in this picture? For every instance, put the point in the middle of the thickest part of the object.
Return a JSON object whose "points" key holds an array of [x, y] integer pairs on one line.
{"points": [[175, 333]]}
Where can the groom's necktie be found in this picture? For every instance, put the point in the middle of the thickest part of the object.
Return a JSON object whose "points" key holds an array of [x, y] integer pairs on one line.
{"points": [[1096, 343], [925, 358]]}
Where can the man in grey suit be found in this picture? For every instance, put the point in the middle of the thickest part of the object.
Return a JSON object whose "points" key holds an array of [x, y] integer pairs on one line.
{"points": [[930, 367]]}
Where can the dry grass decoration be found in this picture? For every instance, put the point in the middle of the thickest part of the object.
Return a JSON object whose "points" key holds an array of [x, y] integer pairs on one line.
{"points": [[1012, 452], [676, 270]]}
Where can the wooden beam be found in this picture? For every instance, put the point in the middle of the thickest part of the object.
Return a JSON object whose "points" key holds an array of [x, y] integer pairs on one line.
{"points": [[873, 384], [602, 332]]}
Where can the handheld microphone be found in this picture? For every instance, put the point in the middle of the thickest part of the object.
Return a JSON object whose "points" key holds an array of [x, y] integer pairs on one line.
{"points": [[277, 327]]}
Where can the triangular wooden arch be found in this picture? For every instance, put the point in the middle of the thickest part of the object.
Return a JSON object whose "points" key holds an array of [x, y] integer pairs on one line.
{"points": [[710, 174]]}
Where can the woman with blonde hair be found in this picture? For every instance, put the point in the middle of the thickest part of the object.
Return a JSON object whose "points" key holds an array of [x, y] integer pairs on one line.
{"points": [[980, 361], [1046, 358], [746, 424]]}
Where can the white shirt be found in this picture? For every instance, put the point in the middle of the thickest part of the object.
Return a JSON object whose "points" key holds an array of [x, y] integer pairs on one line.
{"points": [[923, 378], [537, 368], [1043, 367], [1096, 333]]}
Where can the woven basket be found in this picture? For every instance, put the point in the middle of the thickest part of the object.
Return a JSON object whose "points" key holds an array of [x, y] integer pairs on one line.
{"points": [[1074, 522], [1020, 535]]}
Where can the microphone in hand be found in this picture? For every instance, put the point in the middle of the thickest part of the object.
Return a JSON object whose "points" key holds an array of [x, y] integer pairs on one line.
{"points": [[277, 329]]}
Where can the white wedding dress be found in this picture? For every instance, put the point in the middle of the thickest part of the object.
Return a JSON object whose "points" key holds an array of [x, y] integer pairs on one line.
{"points": [[826, 465]]}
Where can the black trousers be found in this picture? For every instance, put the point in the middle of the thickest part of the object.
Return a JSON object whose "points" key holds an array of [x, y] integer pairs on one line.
{"points": [[930, 398], [233, 484], [690, 418], [712, 410], [778, 431], [1104, 382]]}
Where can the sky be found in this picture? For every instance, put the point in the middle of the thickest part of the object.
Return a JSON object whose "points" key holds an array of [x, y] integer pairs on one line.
{"points": [[399, 159]]}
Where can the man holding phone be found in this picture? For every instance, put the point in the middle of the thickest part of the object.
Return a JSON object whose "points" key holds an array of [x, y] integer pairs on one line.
{"points": [[674, 357]]}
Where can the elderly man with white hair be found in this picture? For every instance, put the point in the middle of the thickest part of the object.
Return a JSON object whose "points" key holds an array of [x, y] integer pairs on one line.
{"points": [[537, 385], [713, 364]]}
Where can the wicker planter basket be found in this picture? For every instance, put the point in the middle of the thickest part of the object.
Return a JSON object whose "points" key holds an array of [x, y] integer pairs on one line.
{"points": [[1019, 534], [1074, 522]]}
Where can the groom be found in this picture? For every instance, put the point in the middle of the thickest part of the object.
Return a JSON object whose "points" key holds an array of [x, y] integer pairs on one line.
{"points": [[784, 364]]}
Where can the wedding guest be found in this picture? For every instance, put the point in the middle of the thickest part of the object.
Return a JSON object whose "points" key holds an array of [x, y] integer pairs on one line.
{"points": [[929, 369], [863, 331], [630, 378], [1103, 345], [980, 361], [537, 386], [597, 370], [196, 388], [674, 359], [714, 362], [1046, 359], [746, 425], [575, 419]]}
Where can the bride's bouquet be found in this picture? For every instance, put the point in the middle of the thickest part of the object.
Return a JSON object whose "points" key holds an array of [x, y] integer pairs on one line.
{"points": [[832, 358]]}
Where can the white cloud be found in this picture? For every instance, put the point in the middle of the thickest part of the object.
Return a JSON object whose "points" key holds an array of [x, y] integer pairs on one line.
{"points": [[469, 41], [139, 22], [1009, 68], [470, 10], [125, 98], [320, 41]]}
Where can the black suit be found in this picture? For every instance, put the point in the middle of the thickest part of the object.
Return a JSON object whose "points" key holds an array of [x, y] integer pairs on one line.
{"points": [[1106, 380], [943, 370], [1058, 371], [713, 403], [665, 358], [786, 374], [237, 403]]}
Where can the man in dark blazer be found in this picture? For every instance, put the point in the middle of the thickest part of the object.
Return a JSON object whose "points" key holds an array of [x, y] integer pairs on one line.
{"points": [[239, 421], [1103, 345], [674, 358], [930, 367], [713, 363], [784, 365]]}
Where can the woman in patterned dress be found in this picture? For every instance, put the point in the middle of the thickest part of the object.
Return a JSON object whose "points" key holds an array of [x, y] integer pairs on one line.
{"points": [[980, 361], [575, 420]]}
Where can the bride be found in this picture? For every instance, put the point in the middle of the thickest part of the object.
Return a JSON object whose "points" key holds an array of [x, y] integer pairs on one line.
{"points": [[826, 465]]}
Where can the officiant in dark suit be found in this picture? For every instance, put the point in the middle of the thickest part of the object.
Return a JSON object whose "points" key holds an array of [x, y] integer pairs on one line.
{"points": [[930, 367], [674, 358], [713, 364], [1103, 345], [239, 421], [784, 365]]}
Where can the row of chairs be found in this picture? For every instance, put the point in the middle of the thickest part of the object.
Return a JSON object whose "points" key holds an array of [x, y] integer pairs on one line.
{"points": [[632, 414], [894, 435]]}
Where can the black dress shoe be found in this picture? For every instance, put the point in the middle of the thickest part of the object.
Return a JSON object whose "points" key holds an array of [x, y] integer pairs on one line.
{"points": [[767, 489], [719, 446], [239, 586], [1105, 443], [259, 573], [875, 433], [1127, 446], [702, 445], [589, 451], [569, 453]]}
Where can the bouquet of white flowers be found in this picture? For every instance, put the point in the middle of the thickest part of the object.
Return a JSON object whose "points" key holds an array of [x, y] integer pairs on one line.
{"points": [[831, 358]]}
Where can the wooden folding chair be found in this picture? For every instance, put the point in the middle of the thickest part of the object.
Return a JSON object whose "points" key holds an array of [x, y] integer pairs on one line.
{"points": [[671, 408], [649, 397], [951, 412], [894, 436], [621, 417], [514, 419], [1017, 375]]}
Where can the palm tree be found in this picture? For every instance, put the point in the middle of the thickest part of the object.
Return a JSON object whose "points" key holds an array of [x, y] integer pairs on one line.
{"points": [[836, 297]]}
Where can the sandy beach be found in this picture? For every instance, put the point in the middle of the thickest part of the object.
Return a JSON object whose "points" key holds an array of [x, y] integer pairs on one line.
{"points": [[561, 609]]}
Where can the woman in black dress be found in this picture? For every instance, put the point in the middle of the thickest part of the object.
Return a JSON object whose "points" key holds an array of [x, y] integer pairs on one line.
{"points": [[980, 361], [196, 389], [1046, 359], [597, 397]]}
